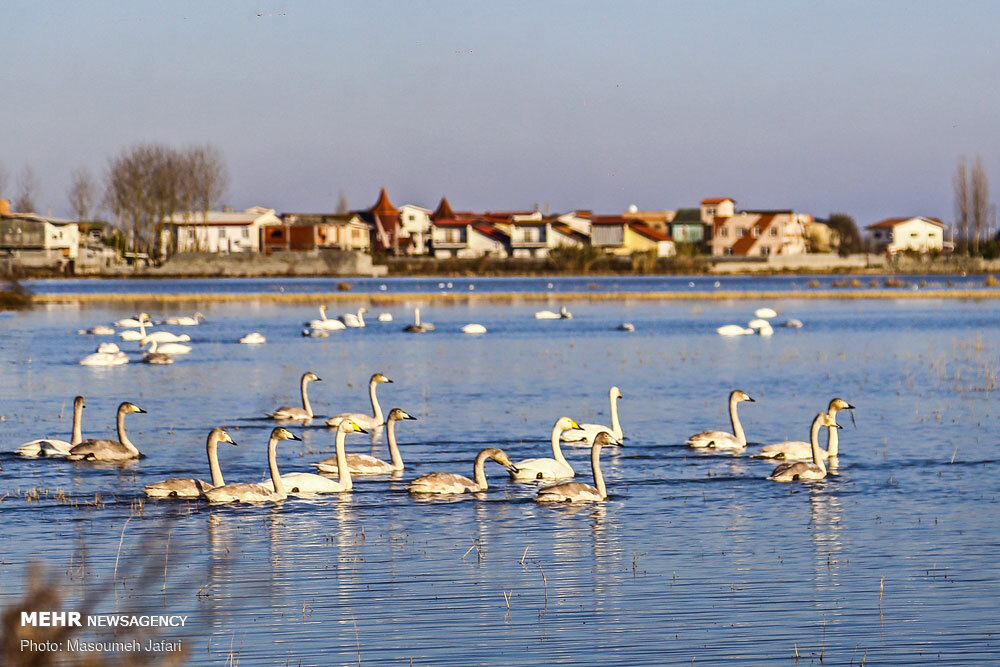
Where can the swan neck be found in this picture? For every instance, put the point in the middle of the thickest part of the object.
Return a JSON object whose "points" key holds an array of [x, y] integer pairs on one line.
{"points": [[122, 435], [361, 317], [595, 463], [212, 447], [556, 448], [734, 418], [814, 441], [833, 443], [77, 437], [272, 463], [616, 425], [343, 471], [397, 458], [479, 470], [376, 408], [322, 314], [416, 316], [305, 398]]}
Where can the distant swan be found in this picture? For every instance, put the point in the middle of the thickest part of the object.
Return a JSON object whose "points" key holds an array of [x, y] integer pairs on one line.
{"points": [[105, 359], [556, 467], [306, 483], [152, 356], [253, 338], [363, 420], [587, 432], [418, 326], [796, 450], [734, 330], [736, 440], [385, 317], [801, 471], [58, 448], [108, 348], [289, 412], [474, 329], [355, 320], [563, 314], [447, 483], [765, 313], [99, 330], [256, 493], [324, 324], [363, 464], [166, 348], [134, 321], [577, 492], [135, 335], [185, 487], [626, 326], [121, 449], [167, 337], [184, 320]]}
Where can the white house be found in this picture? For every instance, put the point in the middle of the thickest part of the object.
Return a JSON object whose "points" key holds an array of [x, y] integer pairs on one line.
{"points": [[468, 238], [217, 231], [38, 240], [917, 234], [415, 225]]}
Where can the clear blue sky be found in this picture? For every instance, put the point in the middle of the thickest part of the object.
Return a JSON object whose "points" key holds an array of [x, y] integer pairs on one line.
{"points": [[848, 106]]}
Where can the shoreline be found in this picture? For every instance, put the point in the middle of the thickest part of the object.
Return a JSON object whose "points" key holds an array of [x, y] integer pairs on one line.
{"points": [[458, 297]]}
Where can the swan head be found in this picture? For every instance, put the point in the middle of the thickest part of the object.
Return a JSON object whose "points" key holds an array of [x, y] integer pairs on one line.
{"points": [[348, 426], [738, 396], [199, 314], [78, 401], [615, 393], [282, 433], [127, 408], [826, 419], [500, 456], [378, 378], [564, 424], [604, 439], [397, 414], [311, 377], [221, 435], [839, 404], [362, 309]]}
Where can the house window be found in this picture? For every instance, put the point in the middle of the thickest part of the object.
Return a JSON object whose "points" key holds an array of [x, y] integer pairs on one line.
{"points": [[222, 233], [765, 251], [774, 231], [723, 232], [710, 211], [411, 217], [246, 232], [728, 251], [913, 235], [755, 232], [741, 232]]}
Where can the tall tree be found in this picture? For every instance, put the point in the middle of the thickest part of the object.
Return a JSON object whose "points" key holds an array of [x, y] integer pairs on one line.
{"points": [[962, 204], [850, 237], [342, 203], [82, 193], [27, 187], [979, 202]]}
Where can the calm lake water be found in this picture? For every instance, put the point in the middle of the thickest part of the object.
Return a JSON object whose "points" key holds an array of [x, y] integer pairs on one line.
{"points": [[694, 557]]}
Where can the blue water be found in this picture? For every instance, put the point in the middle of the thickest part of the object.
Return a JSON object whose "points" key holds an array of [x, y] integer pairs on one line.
{"points": [[693, 557]]}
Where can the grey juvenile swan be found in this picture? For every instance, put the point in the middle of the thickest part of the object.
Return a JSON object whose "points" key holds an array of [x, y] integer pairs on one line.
{"points": [[291, 413], [185, 487], [256, 493], [365, 421], [578, 492], [802, 471], [57, 448], [796, 450], [363, 464], [446, 482], [121, 449], [737, 440]]}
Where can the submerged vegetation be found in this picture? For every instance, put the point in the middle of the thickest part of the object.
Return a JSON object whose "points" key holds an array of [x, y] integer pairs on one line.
{"points": [[14, 296]]}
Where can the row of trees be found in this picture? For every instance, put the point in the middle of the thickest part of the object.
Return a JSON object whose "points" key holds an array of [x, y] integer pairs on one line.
{"points": [[972, 206]]}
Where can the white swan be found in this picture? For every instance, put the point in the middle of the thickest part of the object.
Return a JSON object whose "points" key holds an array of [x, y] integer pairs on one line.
{"points": [[315, 333], [626, 326], [557, 467], [363, 464], [99, 330], [385, 317], [587, 432], [354, 320], [796, 450], [307, 483], [130, 334], [758, 323], [733, 330], [108, 348], [324, 324], [474, 329], [134, 321], [184, 320], [792, 324], [105, 359], [802, 471], [166, 348], [765, 313], [186, 487], [438, 483], [253, 338], [167, 337], [766, 331], [418, 326], [578, 492], [563, 314], [152, 356], [256, 493], [52, 447], [737, 440], [121, 449], [289, 412], [364, 421]]}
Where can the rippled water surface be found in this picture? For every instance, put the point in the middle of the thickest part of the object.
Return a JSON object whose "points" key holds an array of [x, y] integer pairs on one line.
{"points": [[892, 560]]}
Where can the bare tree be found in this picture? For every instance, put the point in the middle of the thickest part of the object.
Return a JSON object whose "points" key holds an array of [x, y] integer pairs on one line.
{"points": [[979, 202], [962, 204], [342, 203], [3, 182], [27, 187], [82, 193]]}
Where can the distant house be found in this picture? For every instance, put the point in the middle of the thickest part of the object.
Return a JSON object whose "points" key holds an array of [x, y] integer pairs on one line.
{"points": [[687, 227], [917, 234], [94, 255], [754, 233], [316, 231], [384, 226], [658, 220], [533, 236], [35, 240], [621, 236], [468, 237], [216, 231], [822, 237], [415, 229]]}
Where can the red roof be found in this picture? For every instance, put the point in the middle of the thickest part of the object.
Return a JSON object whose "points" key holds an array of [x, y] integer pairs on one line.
{"points": [[609, 220], [649, 232], [443, 210], [716, 200], [491, 231], [450, 222], [507, 214], [383, 206], [889, 223]]}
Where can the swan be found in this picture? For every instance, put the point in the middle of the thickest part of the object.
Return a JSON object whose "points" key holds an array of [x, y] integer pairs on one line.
{"points": [[355, 320], [626, 326], [765, 313], [315, 333], [474, 329], [563, 314], [303, 413], [556, 467], [185, 487], [108, 348], [253, 338], [52, 447], [792, 324], [737, 440], [758, 323], [363, 464], [324, 324], [99, 330], [733, 330], [802, 471], [121, 449], [167, 337], [134, 321], [105, 359], [578, 492], [418, 326], [166, 348], [184, 320], [256, 493], [363, 420], [135, 335], [796, 450], [587, 432], [446, 482], [385, 317], [305, 483], [766, 331], [154, 357]]}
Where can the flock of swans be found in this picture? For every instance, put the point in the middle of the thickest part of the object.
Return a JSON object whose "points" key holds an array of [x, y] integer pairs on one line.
{"points": [[802, 461], [163, 345], [760, 325]]}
